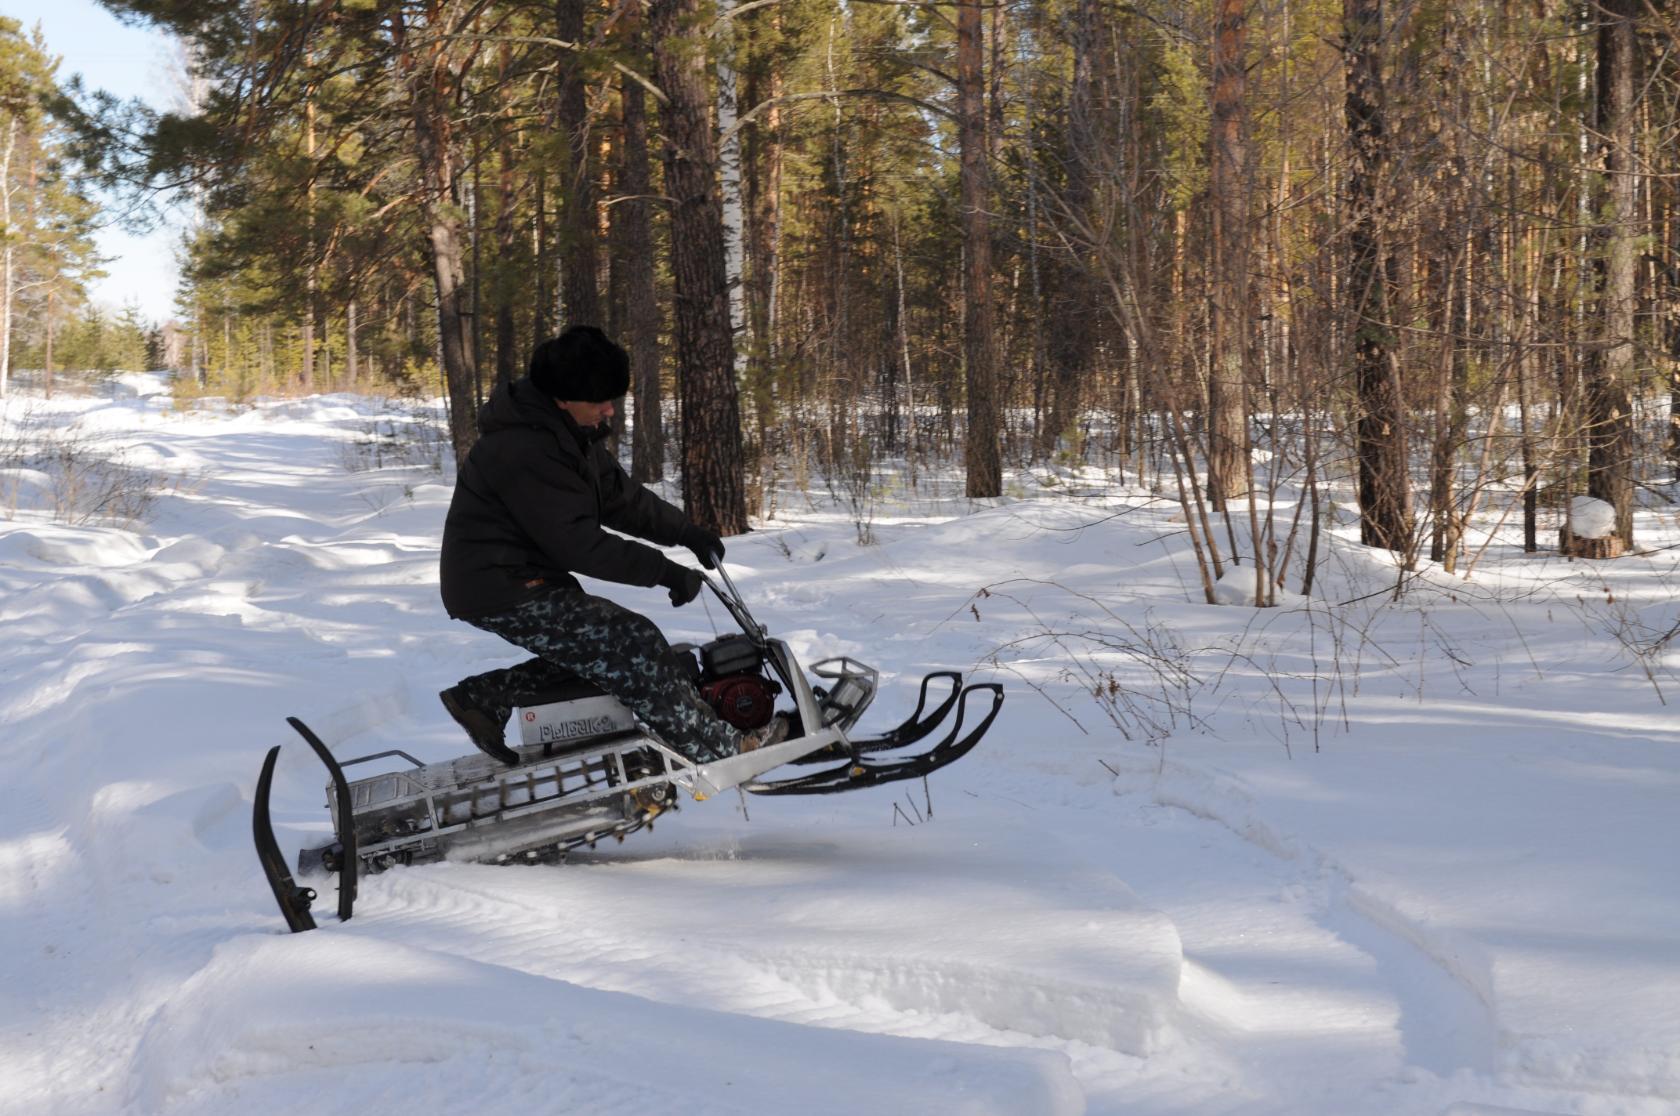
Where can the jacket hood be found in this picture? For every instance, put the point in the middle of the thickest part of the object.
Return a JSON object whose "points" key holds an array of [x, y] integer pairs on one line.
{"points": [[521, 404]]}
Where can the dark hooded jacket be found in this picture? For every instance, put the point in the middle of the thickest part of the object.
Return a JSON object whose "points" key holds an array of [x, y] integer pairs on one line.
{"points": [[530, 503]]}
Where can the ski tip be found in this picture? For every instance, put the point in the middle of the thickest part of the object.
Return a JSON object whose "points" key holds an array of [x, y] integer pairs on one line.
{"points": [[309, 736]]}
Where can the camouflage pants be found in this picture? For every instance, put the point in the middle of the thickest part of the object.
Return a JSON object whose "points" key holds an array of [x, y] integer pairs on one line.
{"points": [[623, 652]]}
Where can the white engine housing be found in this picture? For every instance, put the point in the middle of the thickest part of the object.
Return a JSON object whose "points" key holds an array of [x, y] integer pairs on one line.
{"points": [[564, 722]]}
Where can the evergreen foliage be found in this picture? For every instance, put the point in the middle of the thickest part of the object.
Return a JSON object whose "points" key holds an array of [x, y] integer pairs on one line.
{"points": [[47, 219], [1423, 215]]}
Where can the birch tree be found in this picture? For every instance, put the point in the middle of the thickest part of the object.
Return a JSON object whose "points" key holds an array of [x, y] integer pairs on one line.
{"points": [[729, 180]]}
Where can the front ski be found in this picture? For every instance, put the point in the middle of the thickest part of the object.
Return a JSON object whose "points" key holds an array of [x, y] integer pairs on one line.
{"points": [[294, 900], [344, 821], [918, 725], [860, 771]]}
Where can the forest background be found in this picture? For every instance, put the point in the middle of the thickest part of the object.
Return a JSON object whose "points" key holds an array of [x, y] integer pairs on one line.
{"points": [[1419, 257]]}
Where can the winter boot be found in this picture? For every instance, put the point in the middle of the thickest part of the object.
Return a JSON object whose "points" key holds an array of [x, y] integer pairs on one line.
{"points": [[773, 733], [483, 720]]}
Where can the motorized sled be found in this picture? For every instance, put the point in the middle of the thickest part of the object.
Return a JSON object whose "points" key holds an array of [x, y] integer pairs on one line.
{"points": [[588, 769]]}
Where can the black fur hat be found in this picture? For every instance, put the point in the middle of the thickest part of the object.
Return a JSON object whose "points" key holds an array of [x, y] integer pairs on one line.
{"points": [[582, 365]]}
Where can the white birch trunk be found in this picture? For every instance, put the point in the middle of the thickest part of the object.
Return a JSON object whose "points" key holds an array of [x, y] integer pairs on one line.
{"points": [[8, 274], [350, 352], [729, 179], [904, 356]]}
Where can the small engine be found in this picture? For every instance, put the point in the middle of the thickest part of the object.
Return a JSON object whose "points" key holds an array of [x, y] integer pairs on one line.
{"points": [[729, 673]]}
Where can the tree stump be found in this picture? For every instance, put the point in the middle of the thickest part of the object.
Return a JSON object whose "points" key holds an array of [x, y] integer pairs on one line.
{"points": [[1573, 546]]}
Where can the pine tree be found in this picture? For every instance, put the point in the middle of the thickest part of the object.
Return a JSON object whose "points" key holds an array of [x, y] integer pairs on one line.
{"points": [[47, 253]]}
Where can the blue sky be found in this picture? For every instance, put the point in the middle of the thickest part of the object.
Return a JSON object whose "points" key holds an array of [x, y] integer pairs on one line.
{"points": [[130, 63]]}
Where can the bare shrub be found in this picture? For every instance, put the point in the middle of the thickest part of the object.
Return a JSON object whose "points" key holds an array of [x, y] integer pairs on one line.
{"points": [[79, 477], [846, 461], [1140, 677], [857, 482], [405, 437]]}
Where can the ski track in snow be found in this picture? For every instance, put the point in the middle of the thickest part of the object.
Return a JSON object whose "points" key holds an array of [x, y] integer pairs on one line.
{"points": [[1301, 958], [1447, 994], [1058, 939], [826, 974]]}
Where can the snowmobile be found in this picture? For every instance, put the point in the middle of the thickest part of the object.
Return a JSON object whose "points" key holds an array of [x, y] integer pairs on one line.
{"points": [[588, 769]]}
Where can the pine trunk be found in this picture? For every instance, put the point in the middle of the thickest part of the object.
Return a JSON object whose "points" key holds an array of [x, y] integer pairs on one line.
{"points": [[1070, 340], [713, 480], [632, 226], [541, 327], [1228, 467], [502, 290], [1609, 365], [1385, 515], [580, 285], [428, 81], [983, 455]]}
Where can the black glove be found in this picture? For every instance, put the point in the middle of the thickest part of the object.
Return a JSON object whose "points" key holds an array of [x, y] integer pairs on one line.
{"points": [[706, 545], [683, 583]]}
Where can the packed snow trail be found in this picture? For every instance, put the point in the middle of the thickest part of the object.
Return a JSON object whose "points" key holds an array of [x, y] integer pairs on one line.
{"points": [[1221, 920]]}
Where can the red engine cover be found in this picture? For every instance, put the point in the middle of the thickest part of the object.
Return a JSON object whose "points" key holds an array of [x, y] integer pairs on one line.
{"points": [[744, 700]]}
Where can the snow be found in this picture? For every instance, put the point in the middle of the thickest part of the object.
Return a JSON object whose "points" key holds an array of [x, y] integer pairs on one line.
{"points": [[1236, 587], [1591, 518], [1347, 855], [364, 1030]]}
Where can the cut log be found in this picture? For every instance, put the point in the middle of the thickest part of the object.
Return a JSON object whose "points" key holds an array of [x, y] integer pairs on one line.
{"points": [[1573, 546]]}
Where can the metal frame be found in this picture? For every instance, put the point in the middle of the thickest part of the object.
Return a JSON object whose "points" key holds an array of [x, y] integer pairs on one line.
{"points": [[473, 807], [448, 794]]}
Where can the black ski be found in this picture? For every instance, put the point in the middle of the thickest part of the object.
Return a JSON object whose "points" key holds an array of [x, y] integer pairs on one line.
{"points": [[294, 900], [862, 771], [918, 725], [344, 821]]}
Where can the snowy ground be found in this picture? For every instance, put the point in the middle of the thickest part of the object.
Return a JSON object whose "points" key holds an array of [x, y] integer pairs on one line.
{"points": [[1377, 858]]}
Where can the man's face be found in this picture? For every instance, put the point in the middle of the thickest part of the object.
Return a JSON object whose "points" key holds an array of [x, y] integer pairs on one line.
{"points": [[588, 415]]}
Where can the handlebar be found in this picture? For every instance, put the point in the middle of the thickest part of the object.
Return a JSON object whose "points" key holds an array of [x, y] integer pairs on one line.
{"points": [[734, 603]]}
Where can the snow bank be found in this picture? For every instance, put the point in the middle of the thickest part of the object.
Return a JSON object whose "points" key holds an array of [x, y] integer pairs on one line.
{"points": [[336, 1022]]}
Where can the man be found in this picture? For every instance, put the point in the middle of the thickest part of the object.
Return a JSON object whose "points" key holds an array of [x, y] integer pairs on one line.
{"points": [[531, 501]]}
